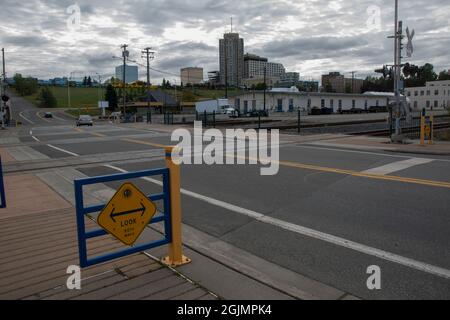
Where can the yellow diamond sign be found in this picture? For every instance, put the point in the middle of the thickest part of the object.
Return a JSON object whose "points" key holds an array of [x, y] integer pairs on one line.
{"points": [[127, 214]]}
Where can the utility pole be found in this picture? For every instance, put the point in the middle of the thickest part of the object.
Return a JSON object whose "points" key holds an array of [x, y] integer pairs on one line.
{"points": [[3, 89], [265, 86], [353, 81], [149, 55], [398, 37], [125, 55], [3, 72]]}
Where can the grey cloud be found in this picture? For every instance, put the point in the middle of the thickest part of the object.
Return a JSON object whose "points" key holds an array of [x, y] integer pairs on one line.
{"points": [[332, 36]]}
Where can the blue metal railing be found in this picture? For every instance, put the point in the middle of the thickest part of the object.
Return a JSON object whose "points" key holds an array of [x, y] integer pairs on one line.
{"points": [[2, 187], [82, 211]]}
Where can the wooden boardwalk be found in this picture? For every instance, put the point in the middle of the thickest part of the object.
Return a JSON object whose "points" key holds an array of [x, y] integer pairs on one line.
{"points": [[37, 249]]}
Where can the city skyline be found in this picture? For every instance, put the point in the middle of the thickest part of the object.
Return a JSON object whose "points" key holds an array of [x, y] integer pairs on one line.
{"points": [[285, 32]]}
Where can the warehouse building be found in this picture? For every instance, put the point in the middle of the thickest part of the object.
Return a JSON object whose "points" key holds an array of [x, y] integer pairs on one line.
{"points": [[289, 100]]}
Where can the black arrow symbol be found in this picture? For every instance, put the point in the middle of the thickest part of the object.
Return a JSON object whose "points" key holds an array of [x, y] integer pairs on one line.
{"points": [[125, 213]]}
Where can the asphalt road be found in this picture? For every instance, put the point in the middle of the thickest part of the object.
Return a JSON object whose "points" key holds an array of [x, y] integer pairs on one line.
{"points": [[321, 216]]}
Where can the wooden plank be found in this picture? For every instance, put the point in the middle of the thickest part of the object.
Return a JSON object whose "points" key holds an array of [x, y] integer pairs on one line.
{"points": [[190, 295], [86, 288], [121, 287], [148, 289], [171, 292]]}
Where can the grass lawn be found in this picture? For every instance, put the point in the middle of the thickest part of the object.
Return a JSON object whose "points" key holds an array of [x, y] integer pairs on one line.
{"points": [[79, 97]]}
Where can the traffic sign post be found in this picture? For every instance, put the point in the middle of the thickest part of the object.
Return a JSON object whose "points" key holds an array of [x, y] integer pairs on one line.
{"points": [[426, 129], [2, 187], [175, 257]]}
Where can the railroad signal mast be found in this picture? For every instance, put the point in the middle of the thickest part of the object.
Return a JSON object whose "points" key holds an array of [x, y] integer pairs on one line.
{"points": [[399, 108]]}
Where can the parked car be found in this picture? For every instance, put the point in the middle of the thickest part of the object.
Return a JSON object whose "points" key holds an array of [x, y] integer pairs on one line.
{"points": [[229, 111], [258, 113], [48, 115], [85, 120]]}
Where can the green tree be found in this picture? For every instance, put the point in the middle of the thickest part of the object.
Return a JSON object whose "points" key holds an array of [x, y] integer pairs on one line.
{"points": [[188, 96], [444, 75], [260, 86], [25, 86], [111, 97], [89, 81], [47, 99]]}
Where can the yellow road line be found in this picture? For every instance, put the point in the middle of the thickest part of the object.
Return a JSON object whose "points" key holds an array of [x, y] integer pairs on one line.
{"points": [[100, 135], [440, 184], [432, 183], [156, 145]]}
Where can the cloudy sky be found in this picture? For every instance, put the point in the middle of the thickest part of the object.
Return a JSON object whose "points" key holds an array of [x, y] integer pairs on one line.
{"points": [[44, 38]]}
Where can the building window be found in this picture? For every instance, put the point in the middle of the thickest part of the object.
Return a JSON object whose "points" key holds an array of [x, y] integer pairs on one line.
{"points": [[254, 105], [245, 106], [309, 103], [422, 93], [332, 104], [416, 93], [322, 103], [378, 103], [436, 92], [353, 104], [428, 92], [415, 104], [428, 104], [291, 105], [280, 105], [436, 104], [237, 104], [340, 105], [409, 93]]}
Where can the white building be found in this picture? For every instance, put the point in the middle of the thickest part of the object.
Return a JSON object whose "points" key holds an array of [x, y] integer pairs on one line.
{"points": [[289, 100], [434, 96], [131, 73]]}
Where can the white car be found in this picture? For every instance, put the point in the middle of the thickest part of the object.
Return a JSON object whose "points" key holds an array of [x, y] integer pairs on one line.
{"points": [[229, 111]]}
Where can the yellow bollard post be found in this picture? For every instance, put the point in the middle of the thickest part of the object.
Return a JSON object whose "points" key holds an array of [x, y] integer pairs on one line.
{"points": [[422, 130], [431, 141], [175, 257]]}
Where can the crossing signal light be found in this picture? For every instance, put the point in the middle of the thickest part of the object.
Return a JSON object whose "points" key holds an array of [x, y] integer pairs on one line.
{"points": [[385, 71]]}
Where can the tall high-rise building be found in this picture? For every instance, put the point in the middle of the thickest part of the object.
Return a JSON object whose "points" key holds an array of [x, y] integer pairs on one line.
{"points": [[231, 59], [131, 73]]}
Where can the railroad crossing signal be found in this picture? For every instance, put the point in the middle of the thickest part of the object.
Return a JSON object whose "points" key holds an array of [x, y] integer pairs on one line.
{"points": [[127, 214]]}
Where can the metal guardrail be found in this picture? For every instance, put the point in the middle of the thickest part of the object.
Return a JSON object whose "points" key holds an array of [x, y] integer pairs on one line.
{"points": [[82, 212]]}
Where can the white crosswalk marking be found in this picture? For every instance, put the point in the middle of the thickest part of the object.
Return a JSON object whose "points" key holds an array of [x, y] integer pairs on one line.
{"points": [[398, 166]]}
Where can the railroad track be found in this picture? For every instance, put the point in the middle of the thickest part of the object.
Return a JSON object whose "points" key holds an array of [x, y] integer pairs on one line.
{"points": [[385, 132]]}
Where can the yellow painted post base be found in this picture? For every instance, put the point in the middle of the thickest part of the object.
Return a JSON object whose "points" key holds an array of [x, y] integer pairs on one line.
{"points": [[168, 261]]}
